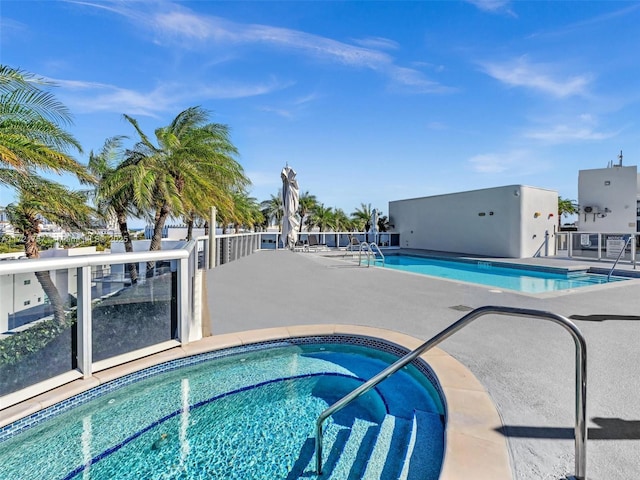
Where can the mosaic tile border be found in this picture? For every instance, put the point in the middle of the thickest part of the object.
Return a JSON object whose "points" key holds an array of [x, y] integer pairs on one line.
{"points": [[19, 426]]}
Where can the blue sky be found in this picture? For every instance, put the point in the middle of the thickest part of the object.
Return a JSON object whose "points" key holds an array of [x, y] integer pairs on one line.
{"points": [[368, 101]]}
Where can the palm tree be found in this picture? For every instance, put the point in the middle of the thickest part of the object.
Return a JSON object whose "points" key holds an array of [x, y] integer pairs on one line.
{"points": [[306, 204], [321, 217], [566, 207], [362, 217], [191, 167], [272, 209], [383, 223], [340, 222], [113, 192], [39, 198], [30, 132]]}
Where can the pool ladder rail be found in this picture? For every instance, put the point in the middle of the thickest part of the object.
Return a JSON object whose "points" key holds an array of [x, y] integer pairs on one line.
{"points": [[372, 250], [622, 250], [580, 429]]}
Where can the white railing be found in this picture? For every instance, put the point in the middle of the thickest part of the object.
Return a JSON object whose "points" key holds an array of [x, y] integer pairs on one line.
{"points": [[92, 324], [598, 246], [96, 316]]}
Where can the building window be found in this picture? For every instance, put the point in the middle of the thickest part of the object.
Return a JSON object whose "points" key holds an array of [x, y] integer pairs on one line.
{"points": [[27, 302], [27, 282], [39, 299]]}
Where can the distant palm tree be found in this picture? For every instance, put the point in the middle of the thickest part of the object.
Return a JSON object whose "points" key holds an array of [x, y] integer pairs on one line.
{"points": [[306, 204], [246, 212], [37, 199], [30, 132], [566, 207], [362, 217], [321, 217], [383, 223], [339, 222], [272, 209]]}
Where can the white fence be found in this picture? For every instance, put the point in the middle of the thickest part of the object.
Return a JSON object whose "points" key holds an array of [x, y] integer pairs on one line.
{"points": [[598, 246], [93, 315]]}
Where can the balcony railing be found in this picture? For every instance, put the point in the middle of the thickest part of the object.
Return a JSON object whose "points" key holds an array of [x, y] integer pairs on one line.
{"points": [[64, 318]]}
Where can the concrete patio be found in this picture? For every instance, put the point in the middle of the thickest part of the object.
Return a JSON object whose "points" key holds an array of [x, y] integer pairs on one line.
{"points": [[526, 365]]}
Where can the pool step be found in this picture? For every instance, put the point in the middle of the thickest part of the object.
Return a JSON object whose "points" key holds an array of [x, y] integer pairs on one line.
{"points": [[387, 457], [422, 459], [397, 449]]}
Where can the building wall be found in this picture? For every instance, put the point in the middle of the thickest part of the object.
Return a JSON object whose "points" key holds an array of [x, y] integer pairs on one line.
{"points": [[612, 195], [498, 222]]}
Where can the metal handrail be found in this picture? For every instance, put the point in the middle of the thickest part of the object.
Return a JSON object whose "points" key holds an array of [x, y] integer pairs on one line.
{"points": [[580, 430], [544, 243], [367, 248], [373, 245], [619, 256]]}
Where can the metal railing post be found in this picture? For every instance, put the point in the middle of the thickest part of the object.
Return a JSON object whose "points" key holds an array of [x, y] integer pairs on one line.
{"points": [[212, 238], [599, 246], [83, 312], [580, 429], [570, 244], [183, 300]]}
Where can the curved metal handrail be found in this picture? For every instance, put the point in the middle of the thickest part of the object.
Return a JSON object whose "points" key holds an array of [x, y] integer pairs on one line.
{"points": [[367, 248], [373, 245], [622, 250], [580, 430]]}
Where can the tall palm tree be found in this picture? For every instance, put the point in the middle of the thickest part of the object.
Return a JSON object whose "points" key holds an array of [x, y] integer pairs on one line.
{"points": [[362, 217], [191, 167], [272, 209], [30, 132], [113, 192], [306, 204], [39, 198]]}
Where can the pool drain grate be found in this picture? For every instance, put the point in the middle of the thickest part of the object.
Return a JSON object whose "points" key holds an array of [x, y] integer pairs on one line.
{"points": [[461, 308]]}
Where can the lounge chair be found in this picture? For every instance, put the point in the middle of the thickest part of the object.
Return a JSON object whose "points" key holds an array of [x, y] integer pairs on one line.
{"points": [[353, 247], [315, 245]]}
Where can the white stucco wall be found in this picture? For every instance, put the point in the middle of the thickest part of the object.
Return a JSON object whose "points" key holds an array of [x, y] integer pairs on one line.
{"points": [[497, 222], [612, 194]]}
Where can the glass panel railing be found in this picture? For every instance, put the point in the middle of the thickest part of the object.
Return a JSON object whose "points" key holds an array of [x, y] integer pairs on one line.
{"points": [[37, 327], [127, 315]]}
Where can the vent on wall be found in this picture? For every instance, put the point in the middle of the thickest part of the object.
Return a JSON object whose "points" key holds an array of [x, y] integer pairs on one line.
{"points": [[590, 209]]}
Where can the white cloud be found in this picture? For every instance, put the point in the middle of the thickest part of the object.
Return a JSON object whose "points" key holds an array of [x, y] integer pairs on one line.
{"points": [[522, 73], [377, 42], [515, 162], [173, 22], [88, 97], [566, 134], [493, 6]]}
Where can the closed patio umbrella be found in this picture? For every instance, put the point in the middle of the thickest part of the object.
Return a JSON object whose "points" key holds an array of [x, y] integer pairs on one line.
{"points": [[374, 224], [290, 200]]}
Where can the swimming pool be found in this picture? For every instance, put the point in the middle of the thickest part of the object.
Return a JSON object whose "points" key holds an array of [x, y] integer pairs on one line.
{"points": [[242, 413], [495, 275]]}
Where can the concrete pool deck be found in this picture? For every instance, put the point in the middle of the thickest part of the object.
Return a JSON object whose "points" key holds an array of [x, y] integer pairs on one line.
{"points": [[526, 365]]}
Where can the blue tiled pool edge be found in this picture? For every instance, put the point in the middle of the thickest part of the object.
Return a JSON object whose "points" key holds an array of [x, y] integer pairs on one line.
{"points": [[386, 346]]}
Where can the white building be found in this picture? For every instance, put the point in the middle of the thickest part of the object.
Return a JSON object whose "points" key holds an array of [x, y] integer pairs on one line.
{"points": [[509, 221], [609, 199], [22, 298]]}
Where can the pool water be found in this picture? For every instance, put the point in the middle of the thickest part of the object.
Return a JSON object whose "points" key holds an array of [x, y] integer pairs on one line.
{"points": [[250, 415], [490, 274]]}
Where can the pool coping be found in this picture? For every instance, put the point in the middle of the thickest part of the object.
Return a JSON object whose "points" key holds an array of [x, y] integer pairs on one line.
{"points": [[474, 447]]}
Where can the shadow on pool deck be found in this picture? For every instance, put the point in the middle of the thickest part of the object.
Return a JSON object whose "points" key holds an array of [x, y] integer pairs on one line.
{"points": [[609, 429]]}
